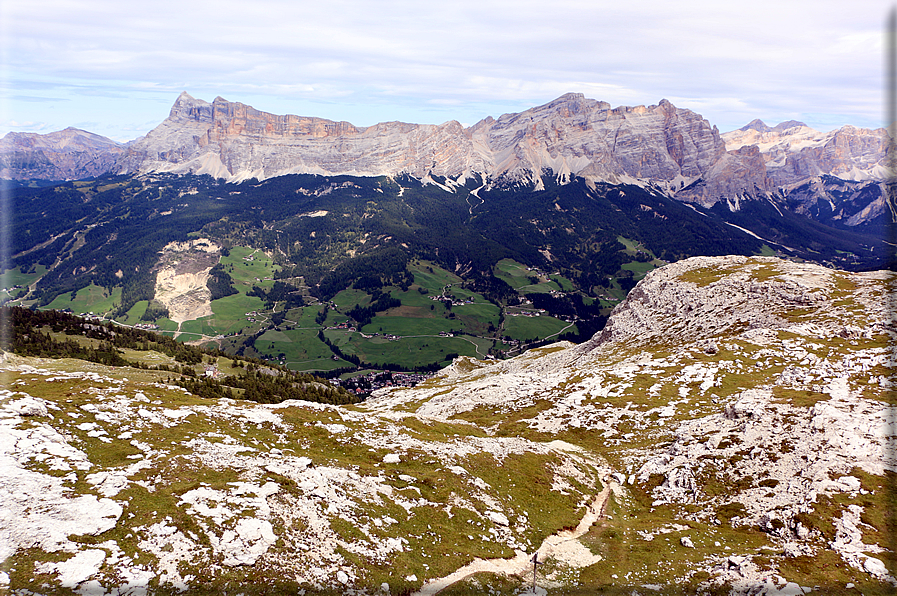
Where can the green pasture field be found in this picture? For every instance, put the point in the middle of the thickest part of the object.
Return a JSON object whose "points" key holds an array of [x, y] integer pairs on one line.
{"points": [[348, 299], [639, 269], [413, 298], [334, 318], [250, 268], [433, 280], [272, 335], [514, 273], [303, 317], [481, 345], [301, 349], [16, 277], [540, 288], [90, 299], [565, 284], [166, 324], [132, 317], [407, 352], [403, 326], [532, 327], [517, 276], [632, 246], [197, 328], [475, 318], [230, 312]]}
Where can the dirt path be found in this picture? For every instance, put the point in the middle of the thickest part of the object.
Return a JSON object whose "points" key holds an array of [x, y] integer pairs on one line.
{"points": [[562, 547]]}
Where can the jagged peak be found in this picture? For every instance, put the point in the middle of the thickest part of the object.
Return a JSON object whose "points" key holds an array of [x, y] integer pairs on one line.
{"points": [[185, 106], [566, 100]]}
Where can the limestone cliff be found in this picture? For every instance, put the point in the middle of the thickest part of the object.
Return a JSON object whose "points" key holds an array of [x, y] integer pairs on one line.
{"points": [[236, 142], [794, 152], [671, 149], [664, 145]]}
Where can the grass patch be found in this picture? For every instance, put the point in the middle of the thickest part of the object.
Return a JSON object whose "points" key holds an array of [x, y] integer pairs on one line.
{"points": [[530, 328], [92, 298], [797, 397]]}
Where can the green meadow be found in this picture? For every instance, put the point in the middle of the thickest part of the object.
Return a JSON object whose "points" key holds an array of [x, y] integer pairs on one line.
{"points": [[90, 299], [526, 328]]}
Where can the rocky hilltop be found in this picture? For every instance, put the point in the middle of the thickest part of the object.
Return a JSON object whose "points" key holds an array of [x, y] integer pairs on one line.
{"points": [[728, 431]]}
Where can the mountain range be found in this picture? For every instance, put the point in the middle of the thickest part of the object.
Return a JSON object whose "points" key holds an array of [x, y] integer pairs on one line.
{"points": [[672, 149], [723, 425]]}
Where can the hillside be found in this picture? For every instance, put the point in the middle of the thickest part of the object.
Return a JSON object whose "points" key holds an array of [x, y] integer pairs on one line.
{"points": [[262, 268], [728, 431], [332, 274]]}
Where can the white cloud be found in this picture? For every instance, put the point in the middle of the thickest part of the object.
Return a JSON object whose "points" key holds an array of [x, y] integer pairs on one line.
{"points": [[401, 59]]}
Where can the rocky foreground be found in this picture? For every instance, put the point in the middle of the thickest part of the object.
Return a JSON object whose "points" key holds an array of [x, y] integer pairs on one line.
{"points": [[728, 432]]}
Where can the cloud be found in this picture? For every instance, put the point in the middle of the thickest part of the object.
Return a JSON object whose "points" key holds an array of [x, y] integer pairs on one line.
{"points": [[35, 99], [400, 59], [27, 126]]}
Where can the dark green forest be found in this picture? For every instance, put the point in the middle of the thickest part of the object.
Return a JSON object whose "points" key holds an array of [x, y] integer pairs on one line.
{"points": [[37, 333]]}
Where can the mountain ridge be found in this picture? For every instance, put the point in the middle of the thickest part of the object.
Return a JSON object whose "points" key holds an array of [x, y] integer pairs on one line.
{"points": [[673, 149]]}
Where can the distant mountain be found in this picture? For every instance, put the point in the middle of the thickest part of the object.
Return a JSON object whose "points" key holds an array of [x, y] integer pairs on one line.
{"points": [[793, 152], [671, 149], [66, 154], [760, 126]]}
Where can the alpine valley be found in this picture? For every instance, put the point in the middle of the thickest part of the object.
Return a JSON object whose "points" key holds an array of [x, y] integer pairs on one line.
{"points": [[641, 356], [328, 247]]}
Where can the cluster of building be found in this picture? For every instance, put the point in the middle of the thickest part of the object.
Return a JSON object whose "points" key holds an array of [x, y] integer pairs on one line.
{"points": [[365, 384]]}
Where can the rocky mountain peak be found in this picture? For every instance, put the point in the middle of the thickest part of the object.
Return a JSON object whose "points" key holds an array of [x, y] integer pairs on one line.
{"points": [[186, 107], [756, 124], [66, 154], [794, 153]]}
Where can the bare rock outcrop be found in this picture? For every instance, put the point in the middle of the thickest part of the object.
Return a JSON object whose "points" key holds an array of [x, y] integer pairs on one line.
{"points": [[704, 297]]}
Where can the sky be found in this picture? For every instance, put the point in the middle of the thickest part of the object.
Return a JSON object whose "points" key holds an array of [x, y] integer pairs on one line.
{"points": [[115, 69]]}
